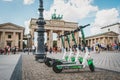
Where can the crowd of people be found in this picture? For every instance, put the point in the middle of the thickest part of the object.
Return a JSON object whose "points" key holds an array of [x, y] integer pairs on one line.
{"points": [[108, 47], [8, 50], [97, 47]]}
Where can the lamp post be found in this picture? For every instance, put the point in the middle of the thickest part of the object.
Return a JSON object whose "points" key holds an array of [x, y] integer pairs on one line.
{"points": [[40, 44], [28, 36]]}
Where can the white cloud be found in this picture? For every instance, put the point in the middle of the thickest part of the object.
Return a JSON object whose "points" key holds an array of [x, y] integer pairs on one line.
{"points": [[26, 23], [28, 2], [71, 10], [95, 30], [8, 0], [103, 18]]}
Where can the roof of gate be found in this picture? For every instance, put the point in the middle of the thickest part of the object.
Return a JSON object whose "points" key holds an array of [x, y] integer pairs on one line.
{"points": [[55, 25]]}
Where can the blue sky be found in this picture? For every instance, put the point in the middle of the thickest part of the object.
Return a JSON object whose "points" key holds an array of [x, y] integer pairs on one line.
{"points": [[95, 12]]}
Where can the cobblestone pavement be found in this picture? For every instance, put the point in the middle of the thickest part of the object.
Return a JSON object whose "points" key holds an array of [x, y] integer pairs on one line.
{"points": [[109, 60], [33, 70]]}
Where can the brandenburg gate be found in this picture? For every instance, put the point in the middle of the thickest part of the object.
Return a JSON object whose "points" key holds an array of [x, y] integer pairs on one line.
{"points": [[55, 26]]}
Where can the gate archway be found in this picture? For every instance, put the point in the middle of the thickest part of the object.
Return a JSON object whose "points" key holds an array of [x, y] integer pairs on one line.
{"points": [[55, 26]]}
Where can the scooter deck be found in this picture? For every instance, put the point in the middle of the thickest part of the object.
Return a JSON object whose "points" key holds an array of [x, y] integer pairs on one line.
{"points": [[69, 62], [70, 66]]}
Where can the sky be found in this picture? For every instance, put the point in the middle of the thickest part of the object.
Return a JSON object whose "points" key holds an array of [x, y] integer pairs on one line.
{"points": [[97, 13]]}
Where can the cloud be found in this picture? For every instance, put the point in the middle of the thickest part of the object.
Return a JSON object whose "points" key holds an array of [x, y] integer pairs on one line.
{"points": [[106, 17], [103, 18], [8, 0], [28, 2], [26, 23], [71, 10], [95, 30]]}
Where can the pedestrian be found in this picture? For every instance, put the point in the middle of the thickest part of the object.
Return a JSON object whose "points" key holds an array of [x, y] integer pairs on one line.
{"points": [[108, 48], [24, 50], [79, 47], [6, 50], [9, 50], [33, 49], [46, 49], [118, 46], [50, 50], [14, 50]]}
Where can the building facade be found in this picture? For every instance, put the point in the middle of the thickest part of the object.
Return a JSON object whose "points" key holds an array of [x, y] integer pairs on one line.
{"points": [[114, 27], [109, 35], [11, 35], [55, 26], [107, 38]]}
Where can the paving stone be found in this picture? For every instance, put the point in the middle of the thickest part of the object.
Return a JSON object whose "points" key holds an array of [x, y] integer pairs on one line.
{"points": [[33, 70]]}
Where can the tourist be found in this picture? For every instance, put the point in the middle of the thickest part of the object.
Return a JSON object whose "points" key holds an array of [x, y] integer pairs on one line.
{"points": [[50, 50], [14, 50], [9, 50], [46, 48], [33, 49]]}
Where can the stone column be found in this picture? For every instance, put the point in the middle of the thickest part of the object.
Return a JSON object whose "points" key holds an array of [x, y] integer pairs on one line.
{"points": [[108, 40], [61, 33], [91, 42], [21, 41], [58, 41], [0, 40], [112, 40], [77, 37], [66, 43], [104, 40], [88, 42], [3, 39], [47, 32], [71, 42], [32, 37], [13, 39], [99, 40], [95, 40], [51, 38]]}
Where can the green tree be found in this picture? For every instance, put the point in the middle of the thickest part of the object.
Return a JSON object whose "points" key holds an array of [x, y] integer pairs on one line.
{"points": [[54, 43], [24, 45]]}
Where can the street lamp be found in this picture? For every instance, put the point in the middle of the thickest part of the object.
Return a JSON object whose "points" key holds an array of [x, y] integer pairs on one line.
{"points": [[28, 37], [40, 44]]}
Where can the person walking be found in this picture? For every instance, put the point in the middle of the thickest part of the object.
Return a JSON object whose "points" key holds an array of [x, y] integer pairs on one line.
{"points": [[9, 50], [14, 50], [50, 50], [33, 49], [46, 49]]}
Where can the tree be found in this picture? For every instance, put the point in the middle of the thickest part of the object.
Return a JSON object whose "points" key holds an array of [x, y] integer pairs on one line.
{"points": [[54, 43]]}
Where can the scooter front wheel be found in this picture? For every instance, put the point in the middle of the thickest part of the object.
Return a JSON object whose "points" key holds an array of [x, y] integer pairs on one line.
{"points": [[55, 68]]}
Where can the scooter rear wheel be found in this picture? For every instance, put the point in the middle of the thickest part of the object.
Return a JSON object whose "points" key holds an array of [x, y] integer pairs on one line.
{"points": [[47, 62], [55, 69], [92, 68]]}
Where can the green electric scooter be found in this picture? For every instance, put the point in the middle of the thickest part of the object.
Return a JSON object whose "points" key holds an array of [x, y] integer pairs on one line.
{"points": [[65, 59], [49, 61], [79, 63]]}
